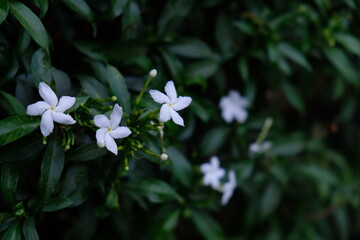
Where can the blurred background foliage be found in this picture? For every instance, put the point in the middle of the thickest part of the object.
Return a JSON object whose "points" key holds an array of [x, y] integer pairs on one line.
{"points": [[296, 61]]}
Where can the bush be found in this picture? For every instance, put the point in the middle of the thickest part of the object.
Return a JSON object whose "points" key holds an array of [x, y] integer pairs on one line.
{"points": [[278, 161]]}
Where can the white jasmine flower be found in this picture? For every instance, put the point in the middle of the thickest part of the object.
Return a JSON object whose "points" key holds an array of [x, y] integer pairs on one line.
{"points": [[153, 73], [228, 188], [260, 147], [212, 173], [110, 129], [233, 107], [51, 109], [171, 103]]}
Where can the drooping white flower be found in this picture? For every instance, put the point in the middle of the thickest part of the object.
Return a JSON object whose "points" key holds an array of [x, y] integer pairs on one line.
{"points": [[110, 129], [260, 147], [171, 103], [51, 109], [212, 173], [233, 107], [228, 188]]}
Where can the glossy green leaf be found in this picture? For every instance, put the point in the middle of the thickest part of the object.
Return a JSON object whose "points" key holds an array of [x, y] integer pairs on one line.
{"points": [[13, 233], [75, 185], [118, 7], [13, 128], [81, 8], [87, 152], [14, 105], [40, 67], [224, 36], [31, 23], [204, 68], [213, 140], [58, 203], [292, 53], [349, 42], [293, 97], [44, 5], [93, 87], [191, 48], [155, 190], [9, 180], [270, 199], [4, 10], [243, 68], [180, 166], [132, 16], [340, 61], [51, 167], [118, 87], [29, 229], [207, 226]]}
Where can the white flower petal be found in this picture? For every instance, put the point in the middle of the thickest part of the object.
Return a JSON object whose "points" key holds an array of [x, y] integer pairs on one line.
{"points": [[164, 113], [205, 167], [227, 115], [176, 117], [48, 94], [47, 123], [62, 118], [65, 103], [100, 137], [229, 188], [110, 144], [116, 116], [159, 97], [120, 132], [171, 91], [37, 108], [215, 162], [102, 121], [240, 115], [181, 103]]}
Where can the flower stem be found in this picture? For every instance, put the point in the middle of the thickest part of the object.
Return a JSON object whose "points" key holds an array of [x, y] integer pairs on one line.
{"points": [[265, 130], [138, 99]]}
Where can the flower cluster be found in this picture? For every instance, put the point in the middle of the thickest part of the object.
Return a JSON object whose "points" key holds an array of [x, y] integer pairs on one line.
{"points": [[233, 107], [213, 174]]}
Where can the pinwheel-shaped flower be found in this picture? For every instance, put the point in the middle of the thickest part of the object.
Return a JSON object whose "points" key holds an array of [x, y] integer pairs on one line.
{"points": [[233, 107], [228, 188], [171, 103], [51, 109], [110, 129], [212, 173]]}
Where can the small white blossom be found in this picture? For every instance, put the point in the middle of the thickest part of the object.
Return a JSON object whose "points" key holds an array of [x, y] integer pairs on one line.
{"points": [[153, 73], [171, 103], [110, 129], [212, 173], [233, 107], [51, 109], [228, 188], [260, 148]]}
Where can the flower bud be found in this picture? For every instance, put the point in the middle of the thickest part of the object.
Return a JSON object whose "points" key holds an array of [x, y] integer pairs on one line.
{"points": [[164, 157], [113, 98], [153, 73]]}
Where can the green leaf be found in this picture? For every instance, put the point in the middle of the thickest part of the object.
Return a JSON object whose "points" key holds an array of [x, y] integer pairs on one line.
{"points": [[81, 8], [9, 180], [207, 226], [58, 203], [14, 105], [270, 199], [31, 23], [51, 167], [191, 48], [155, 190], [29, 229], [340, 61], [75, 184], [118, 87], [292, 53], [318, 173], [132, 16], [112, 199], [205, 68], [13, 233], [117, 7], [293, 97], [78, 102], [213, 140], [93, 87], [40, 67], [180, 166], [351, 43], [224, 35], [13, 128], [87, 152], [4, 10], [243, 68], [44, 5]]}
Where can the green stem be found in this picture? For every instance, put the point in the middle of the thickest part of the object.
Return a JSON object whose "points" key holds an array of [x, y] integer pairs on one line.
{"points": [[138, 99], [264, 131]]}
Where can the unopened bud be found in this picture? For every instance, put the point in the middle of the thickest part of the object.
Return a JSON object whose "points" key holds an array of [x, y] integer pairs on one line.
{"points": [[164, 157], [153, 73], [113, 98]]}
